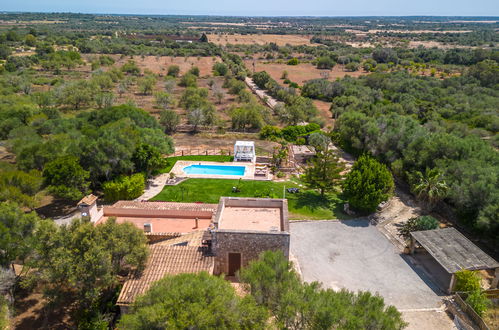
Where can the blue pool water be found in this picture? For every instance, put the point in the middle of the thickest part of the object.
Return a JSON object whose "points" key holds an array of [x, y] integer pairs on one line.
{"points": [[215, 170]]}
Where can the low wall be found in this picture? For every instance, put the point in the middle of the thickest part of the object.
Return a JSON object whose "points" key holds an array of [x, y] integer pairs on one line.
{"points": [[470, 312], [110, 211]]}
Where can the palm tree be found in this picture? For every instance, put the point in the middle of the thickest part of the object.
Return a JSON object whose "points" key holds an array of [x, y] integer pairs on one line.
{"points": [[430, 186]]}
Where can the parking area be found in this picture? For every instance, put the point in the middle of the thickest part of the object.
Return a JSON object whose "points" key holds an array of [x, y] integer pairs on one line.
{"points": [[354, 255]]}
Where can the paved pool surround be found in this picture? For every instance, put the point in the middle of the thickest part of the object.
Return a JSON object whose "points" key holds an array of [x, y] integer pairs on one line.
{"points": [[178, 170]]}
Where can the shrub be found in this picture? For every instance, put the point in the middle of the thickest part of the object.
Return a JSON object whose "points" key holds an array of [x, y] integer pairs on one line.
{"points": [[293, 61], [478, 301], [188, 80], [131, 68], [195, 71], [367, 184], [271, 133], [124, 187], [220, 69], [467, 280], [426, 222], [173, 71]]}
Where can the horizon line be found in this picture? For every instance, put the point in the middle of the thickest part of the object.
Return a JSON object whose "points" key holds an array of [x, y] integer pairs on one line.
{"points": [[237, 15]]}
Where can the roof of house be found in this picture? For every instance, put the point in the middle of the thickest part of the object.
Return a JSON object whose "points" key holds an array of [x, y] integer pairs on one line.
{"points": [[453, 251], [164, 260], [165, 206], [245, 143], [89, 199]]}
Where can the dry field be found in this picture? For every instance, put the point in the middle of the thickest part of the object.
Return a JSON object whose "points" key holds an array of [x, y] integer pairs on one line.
{"points": [[299, 73], [160, 64], [260, 39]]}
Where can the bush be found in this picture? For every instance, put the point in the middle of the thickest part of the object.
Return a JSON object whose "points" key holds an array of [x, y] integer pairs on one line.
{"points": [[124, 187], [188, 80], [478, 301], [173, 71], [131, 68], [272, 133], [367, 184], [426, 222], [467, 280], [220, 69], [293, 61], [195, 71]]}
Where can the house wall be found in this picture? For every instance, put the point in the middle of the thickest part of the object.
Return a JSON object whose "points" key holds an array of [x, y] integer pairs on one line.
{"points": [[249, 244], [110, 211]]}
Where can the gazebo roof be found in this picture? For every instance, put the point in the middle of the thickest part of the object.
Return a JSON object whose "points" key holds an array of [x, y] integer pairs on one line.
{"points": [[245, 143], [453, 251]]}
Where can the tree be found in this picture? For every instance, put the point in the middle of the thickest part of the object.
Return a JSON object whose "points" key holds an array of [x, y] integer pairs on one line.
{"points": [[193, 301], [81, 261], [188, 80], [147, 159], [196, 117], [124, 187], [220, 69], [146, 84], [324, 169], [163, 99], [170, 120], [77, 93], [66, 178], [325, 62], [131, 68], [296, 305], [173, 71], [195, 71], [487, 72], [367, 184], [16, 230], [430, 186]]}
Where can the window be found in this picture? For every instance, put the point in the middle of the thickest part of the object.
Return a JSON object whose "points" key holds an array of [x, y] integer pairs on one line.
{"points": [[148, 228]]}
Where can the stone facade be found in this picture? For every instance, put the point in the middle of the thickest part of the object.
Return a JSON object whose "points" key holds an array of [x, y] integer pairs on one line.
{"points": [[248, 244]]}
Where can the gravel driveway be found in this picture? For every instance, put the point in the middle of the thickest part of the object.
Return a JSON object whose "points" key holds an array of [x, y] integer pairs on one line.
{"points": [[354, 255]]}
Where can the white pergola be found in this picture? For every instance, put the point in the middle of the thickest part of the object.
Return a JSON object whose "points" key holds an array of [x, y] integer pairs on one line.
{"points": [[244, 151]]}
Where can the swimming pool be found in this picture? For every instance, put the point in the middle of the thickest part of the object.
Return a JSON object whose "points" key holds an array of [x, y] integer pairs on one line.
{"points": [[215, 170]]}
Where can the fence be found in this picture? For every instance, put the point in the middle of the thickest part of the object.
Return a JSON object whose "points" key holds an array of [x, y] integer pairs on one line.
{"points": [[470, 312], [202, 152]]}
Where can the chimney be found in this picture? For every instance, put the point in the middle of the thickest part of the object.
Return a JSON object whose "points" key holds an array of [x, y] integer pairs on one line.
{"points": [[197, 222]]}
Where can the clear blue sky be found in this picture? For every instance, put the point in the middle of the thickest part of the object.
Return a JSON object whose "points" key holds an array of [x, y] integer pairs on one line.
{"points": [[263, 7]]}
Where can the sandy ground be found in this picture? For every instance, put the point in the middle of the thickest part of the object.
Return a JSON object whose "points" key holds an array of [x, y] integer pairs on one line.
{"points": [[299, 73], [160, 64], [260, 39]]}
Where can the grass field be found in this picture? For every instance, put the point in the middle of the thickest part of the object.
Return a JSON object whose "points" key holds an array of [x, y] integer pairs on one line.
{"points": [[307, 204], [170, 161]]}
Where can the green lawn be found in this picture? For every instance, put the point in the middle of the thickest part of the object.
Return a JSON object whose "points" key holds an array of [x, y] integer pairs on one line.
{"points": [[170, 161], [307, 204]]}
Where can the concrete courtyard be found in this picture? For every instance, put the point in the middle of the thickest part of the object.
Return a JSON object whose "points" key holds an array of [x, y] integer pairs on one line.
{"points": [[354, 255]]}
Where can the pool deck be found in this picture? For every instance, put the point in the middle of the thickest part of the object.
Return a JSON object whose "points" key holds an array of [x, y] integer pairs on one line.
{"points": [[249, 173]]}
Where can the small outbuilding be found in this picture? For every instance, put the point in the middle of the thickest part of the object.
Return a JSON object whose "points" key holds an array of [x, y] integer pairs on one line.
{"points": [[453, 252], [244, 151]]}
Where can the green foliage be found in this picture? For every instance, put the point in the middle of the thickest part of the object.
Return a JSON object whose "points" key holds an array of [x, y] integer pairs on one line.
{"points": [[170, 120], [467, 280], [367, 184], [487, 72], [425, 222], [478, 301], [352, 66], [250, 115], [430, 186], [188, 80], [194, 301], [66, 178], [4, 313], [296, 305], [147, 159], [293, 61], [194, 71], [81, 261], [173, 71], [125, 187], [325, 62], [220, 69], [324, 169], [20, 187], [163, 99], [291, 133], [16, 230], [76, 94], [131, 68], [146, 84], [271, 133]]}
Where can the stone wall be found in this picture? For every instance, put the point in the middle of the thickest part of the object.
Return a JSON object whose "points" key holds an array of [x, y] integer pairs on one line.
{"points": [[249, 244]]}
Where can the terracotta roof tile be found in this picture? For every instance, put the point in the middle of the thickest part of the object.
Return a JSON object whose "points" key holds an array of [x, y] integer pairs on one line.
{"points": [[89, 199], [191, 239], [165, 260]]}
